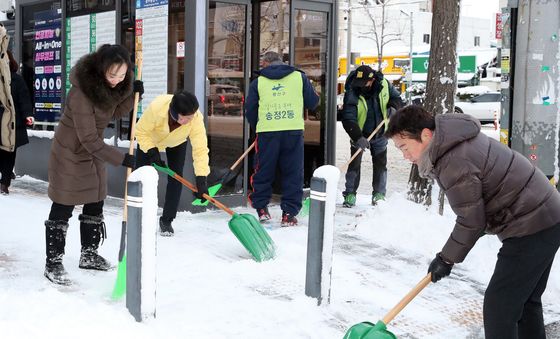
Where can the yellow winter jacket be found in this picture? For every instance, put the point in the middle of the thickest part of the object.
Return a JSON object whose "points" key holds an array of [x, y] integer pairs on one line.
{"points": [[152, 130]]}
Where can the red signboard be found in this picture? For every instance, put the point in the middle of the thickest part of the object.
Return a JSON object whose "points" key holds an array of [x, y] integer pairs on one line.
{"points": [[139, 27], [499, 25]]}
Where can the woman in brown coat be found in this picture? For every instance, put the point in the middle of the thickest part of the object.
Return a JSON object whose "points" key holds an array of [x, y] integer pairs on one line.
{"points": [[102, 89]]}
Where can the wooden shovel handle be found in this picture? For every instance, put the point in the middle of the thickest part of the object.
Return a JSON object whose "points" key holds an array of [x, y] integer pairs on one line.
{"points": [[242, 156], [206, 196], [132, 132], [407, 298], [343, 168]]}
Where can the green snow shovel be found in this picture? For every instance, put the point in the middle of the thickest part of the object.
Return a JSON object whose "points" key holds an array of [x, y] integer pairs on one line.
{"points": [[245, 227], [307, 202], [367, 330], [120, 284], [229, 176]]}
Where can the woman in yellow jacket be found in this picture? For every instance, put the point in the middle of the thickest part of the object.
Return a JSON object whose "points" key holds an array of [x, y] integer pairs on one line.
{"points": [[166, 125]]}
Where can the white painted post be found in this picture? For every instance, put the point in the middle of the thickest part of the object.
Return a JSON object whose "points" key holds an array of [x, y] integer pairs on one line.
{"points": [[141, 241], [321, 232]]}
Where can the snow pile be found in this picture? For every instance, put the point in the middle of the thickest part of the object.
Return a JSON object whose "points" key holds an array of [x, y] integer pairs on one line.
{"points": [[473, 90]]}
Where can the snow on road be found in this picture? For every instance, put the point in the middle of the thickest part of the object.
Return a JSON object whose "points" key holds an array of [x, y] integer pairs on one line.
{"points": [[209, 287]]}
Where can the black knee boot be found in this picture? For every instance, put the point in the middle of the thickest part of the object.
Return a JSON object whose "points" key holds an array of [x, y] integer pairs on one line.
{"points": [[55, 238], [92, 230]]}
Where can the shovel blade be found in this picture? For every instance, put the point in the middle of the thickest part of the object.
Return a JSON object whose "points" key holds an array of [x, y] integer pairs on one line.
{"points": [[367, 330], [252, 236], [229, 177], [304, 212], [212, 190]]}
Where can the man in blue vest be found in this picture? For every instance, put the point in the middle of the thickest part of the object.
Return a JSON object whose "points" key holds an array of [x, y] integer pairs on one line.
{"points": [[366, 104], [275, 110]]}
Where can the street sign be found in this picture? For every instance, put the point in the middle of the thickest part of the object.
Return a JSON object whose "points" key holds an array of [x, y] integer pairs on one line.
{"points": [[465, 64]]}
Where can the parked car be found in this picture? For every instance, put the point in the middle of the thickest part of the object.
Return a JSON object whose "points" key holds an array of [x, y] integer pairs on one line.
{"points": [[485, 107], [225, 100]]}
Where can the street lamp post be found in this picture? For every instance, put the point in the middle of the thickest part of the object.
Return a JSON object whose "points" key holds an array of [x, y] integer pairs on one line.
{"points": [[349, 39], [409, 86]]}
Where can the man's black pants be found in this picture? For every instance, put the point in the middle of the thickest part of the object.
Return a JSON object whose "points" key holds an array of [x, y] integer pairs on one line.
{"points": [[176, 162], [7, 162], [512, 302]]}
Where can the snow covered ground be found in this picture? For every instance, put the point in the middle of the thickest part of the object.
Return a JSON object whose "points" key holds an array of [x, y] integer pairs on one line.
{"points": [[209, 287]]}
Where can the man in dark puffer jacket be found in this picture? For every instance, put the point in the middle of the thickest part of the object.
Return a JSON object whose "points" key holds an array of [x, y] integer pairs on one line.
{"points": [[492, 189]]}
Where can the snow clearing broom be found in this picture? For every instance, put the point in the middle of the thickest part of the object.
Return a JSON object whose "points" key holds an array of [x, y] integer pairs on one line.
{"points": [[367, 330], [120, 284], [245, 227], [229, 176], [306, 203]]}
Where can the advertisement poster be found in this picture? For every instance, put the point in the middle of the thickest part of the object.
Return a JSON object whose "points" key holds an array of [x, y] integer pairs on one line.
{"points": [[151, 36], [47, 80], [84, 34]]}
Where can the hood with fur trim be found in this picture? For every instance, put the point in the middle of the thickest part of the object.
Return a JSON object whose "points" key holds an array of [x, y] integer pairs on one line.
{"points": [[86, 76]]}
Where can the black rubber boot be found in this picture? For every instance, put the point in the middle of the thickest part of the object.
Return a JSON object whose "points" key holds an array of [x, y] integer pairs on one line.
{"points": [[55, 238], [165, 228], [92, 231]]}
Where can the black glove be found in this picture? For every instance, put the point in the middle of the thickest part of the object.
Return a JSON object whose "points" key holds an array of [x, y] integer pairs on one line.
{"points": [[154, 157], [439, 268], [129, 161], [138, 87], [362, 143], [201, 187]]}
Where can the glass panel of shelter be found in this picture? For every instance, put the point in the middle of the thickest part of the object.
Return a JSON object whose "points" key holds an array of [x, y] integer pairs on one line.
{"points": [[226, 92], [310, 55]]}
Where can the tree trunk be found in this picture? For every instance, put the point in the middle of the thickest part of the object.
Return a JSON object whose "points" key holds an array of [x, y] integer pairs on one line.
{"points": [[442, 81]]}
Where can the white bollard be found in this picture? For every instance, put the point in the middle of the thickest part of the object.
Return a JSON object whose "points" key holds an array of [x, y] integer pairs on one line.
{"points": [[321, 232], [141, 242]]}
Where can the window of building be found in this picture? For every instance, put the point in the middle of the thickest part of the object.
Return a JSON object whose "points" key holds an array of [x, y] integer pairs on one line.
{"points": [[476, 41], [274, 28], [426, 38], [81, 7], [227, 55]]}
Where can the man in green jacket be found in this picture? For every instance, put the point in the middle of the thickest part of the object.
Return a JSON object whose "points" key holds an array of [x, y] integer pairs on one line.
{"points": [[367, 101]]}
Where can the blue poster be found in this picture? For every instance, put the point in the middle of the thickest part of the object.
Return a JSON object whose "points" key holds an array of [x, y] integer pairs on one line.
{"points": [[150, 3], [47, 81]]}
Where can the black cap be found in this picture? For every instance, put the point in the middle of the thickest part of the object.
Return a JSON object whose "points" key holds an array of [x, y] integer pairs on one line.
{"points": [[364, 73]]}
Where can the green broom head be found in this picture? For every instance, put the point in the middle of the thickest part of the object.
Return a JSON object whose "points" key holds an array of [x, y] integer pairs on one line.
{"points": [[120, 284]]}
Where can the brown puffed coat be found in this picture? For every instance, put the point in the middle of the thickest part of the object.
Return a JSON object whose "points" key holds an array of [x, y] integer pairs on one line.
{"points": [[77, 173], [491, 188]]}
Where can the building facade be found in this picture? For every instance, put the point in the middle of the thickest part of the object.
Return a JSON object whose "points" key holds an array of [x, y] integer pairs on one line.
{"points": [[210, 48]]}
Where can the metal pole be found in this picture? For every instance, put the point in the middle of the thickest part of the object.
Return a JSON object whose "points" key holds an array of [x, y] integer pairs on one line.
{"points": [[321, 233], [141, 242], [349, 39], [134, 250], [410, 61], [315, 244]]}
